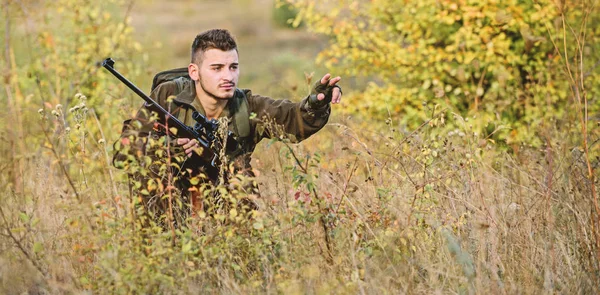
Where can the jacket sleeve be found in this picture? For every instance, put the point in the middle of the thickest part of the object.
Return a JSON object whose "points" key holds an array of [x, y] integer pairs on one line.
{"points": [[135, 132], [296, 120]]}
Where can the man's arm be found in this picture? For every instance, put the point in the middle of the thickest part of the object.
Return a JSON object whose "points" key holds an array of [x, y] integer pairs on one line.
{"points": [[301, 119]]}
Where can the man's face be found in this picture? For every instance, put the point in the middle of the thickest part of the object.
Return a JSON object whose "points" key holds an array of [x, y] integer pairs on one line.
{"points": [[218, 73]]}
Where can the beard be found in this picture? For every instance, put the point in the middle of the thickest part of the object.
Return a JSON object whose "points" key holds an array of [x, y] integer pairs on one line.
{"points": [[211, 94]]}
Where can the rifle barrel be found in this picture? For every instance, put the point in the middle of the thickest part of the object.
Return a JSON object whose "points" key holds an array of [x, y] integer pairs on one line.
{"points": [[184, 131]]}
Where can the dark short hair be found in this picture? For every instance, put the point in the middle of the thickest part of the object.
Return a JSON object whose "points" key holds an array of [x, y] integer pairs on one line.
{"points": [[212, 39]]}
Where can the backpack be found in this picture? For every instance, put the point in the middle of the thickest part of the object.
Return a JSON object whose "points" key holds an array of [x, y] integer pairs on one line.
{"points": [[241, 116]]}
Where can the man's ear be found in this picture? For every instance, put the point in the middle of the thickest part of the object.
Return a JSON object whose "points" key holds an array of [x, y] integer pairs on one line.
{"points": [[194, 71]]}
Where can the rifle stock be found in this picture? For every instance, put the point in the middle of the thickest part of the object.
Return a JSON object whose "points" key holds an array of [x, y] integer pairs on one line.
{"points": [[208, 158]]}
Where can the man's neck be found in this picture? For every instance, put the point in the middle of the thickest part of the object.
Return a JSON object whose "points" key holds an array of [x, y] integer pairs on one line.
{"points": [[212, 107]]}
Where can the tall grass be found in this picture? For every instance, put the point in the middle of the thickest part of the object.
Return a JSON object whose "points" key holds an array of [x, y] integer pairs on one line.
{"points": [[402, 212], [361, 207]]}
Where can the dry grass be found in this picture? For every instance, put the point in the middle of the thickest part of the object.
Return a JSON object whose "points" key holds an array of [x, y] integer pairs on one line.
{"points": [[361, 207], [400, 220]]}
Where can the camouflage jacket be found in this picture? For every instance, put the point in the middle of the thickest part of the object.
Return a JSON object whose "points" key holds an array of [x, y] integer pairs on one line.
{"points": [[297, 120]]}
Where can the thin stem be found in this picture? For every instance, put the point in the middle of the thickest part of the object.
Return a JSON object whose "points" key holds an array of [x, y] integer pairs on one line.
{"points": [[20, 246], [6, 33], [304, 169], [108, 162], [62, 166], [322, 211], [325, 226], [170, 186], [354, 167], [580, 98]]}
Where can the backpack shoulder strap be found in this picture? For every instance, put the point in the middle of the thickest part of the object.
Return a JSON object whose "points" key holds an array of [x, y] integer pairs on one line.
{"points": [[241, 115], [169, 75], [173, 106]]}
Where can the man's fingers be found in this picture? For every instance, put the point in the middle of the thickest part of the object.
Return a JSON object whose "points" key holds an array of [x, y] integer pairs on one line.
{"points": [[334, 80], [336, 95], [188, 145], [325, 78], [193, 150], [182, 141], [189, 152], [191, 144]]}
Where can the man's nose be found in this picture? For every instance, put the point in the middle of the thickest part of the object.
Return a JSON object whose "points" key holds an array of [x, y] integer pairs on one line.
{"points": [[229, 75]]}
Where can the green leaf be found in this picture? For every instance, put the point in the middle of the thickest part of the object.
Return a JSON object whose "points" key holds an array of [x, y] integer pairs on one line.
{"points": [[17, 230], [187, 247], [258, 225], [38, 247], [233, 213], [24, 217]]}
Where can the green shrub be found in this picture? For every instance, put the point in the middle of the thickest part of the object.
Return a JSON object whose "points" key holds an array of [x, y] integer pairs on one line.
{"points": [[285, 15]]}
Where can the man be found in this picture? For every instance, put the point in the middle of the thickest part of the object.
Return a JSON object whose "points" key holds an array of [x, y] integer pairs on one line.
{"points": [[211, 90]]}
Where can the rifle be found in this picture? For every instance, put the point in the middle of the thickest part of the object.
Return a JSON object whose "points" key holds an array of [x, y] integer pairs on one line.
{"points": [[203, 131]]}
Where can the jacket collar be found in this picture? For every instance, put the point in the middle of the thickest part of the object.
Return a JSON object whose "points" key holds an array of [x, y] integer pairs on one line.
{"points": [[188, 94]]}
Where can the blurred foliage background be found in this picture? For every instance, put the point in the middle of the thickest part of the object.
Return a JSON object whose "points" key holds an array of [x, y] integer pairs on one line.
{"points": [[463, 159], [501, 62]]}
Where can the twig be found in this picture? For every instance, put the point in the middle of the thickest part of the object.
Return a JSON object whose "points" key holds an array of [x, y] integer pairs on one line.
{"points": [[108, 163], [366, 224], [406, 138], [21, 247], [62, 166], [591, 71], [304, 169], [479, 86], [170, 186], [550, 217], [412, 203], [322, 219], [346, 132], [132, 202], [354, 167], [583, 117], [6, 34], [325, 225]]}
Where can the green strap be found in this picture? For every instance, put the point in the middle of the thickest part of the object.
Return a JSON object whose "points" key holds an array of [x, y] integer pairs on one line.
{"points": [[174, 108], [242, 116]]}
